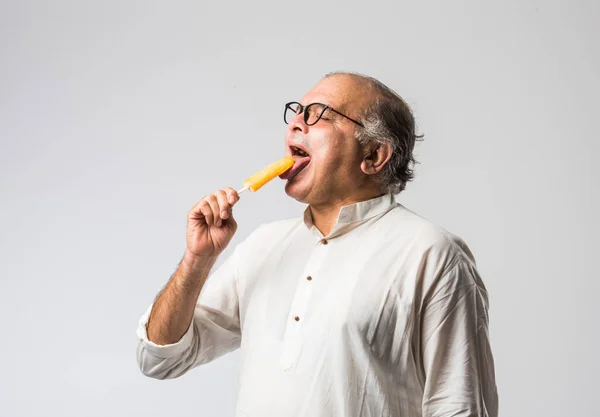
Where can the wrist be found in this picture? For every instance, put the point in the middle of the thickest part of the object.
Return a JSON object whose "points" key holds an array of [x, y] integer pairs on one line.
{"points": [[197, 263]]}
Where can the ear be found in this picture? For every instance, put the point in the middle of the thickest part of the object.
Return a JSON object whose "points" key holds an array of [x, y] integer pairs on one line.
{"points": [[375, 156]]}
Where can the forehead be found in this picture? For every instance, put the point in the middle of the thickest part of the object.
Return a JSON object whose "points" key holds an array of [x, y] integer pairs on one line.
{"points": [[341, 92]]}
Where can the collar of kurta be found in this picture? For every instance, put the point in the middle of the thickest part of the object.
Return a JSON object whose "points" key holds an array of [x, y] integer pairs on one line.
{"points": [[354, 215]]}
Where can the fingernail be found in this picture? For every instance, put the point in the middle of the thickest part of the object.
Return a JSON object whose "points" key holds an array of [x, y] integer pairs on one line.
{"points": [[223, 214], [231, 199]]}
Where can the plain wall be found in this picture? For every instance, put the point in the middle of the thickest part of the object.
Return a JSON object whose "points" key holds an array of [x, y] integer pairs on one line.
{"points": [[117, 116]]}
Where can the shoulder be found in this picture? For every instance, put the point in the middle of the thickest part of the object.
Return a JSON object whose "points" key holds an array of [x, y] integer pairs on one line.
{"points": [[426, 237], [443, 260]]}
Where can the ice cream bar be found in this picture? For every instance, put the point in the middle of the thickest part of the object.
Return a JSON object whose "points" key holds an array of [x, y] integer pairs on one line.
{"points": [[256, 181]]}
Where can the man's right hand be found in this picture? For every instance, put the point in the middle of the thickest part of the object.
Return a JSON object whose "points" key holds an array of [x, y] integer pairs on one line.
{"points": [[211, 225]]}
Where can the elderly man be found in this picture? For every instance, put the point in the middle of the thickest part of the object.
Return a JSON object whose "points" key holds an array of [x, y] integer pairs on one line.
{"points": [[360, 308]]}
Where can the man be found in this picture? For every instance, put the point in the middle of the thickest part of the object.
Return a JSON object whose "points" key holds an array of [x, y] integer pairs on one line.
{"points": [[361, 308]]}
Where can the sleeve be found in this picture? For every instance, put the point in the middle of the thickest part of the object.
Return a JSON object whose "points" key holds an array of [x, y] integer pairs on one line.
{"points": [[213, 331], [455, 347]]}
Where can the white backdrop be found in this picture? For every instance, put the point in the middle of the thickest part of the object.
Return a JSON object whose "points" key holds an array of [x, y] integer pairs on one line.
{"points": [[117, 116]]}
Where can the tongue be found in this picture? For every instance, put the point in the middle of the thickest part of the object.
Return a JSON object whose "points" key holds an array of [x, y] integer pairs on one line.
{"points": [[298, 166]]}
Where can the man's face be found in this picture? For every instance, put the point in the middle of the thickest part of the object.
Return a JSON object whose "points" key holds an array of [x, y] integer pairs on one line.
{"points": [[334, 172]]}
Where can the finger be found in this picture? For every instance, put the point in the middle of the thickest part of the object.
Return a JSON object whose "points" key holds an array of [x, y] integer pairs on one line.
{"points": [[223, 204], [196, 211], [206, 211], [214, 207], [232, 195]]}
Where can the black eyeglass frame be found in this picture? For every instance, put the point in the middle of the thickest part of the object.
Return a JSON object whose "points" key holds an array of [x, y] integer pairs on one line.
{"points": [[304, 109]]}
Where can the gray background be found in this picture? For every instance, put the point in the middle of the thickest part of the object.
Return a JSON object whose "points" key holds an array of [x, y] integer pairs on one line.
{"points": [[116, 117]]}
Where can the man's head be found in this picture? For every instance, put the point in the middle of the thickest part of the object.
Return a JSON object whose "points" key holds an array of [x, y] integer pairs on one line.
{"points": [[361, 146]]}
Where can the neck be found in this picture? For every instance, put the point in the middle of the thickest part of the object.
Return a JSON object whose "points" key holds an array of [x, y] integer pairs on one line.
{"points": [[325, 215]]}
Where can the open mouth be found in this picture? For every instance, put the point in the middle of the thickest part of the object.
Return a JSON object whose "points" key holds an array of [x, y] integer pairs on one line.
{"points": [[296, 151], [302, 159]]}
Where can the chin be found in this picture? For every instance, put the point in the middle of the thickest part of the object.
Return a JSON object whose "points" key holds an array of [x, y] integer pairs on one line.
{"points": [[297, 193]]}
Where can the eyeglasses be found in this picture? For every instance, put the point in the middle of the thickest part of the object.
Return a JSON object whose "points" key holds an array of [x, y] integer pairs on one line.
{"points": [[312, 112]]}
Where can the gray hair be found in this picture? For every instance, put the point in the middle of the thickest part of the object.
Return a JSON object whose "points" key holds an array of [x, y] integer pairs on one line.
{"points": [[388, 120]]}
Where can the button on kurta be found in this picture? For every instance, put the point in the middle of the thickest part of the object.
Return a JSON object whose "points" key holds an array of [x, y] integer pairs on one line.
{"points": [[324, 241], [309, 278], [297, 318]]}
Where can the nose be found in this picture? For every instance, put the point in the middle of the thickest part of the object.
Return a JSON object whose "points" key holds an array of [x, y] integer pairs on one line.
{"points": [[297, 125]]}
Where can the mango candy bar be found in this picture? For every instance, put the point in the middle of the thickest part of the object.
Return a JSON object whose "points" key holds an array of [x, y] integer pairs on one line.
{"points": [[256, 181]]}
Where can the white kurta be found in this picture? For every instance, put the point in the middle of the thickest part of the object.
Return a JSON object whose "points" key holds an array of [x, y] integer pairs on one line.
{"points": [[385, 316]]}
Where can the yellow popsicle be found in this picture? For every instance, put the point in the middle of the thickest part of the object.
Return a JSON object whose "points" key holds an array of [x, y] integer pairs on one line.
{"points": [[265, 175]]}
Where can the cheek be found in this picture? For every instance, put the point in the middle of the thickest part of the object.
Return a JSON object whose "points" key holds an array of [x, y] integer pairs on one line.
{"points": [[332, 152], [328, 158], [332, 166]]}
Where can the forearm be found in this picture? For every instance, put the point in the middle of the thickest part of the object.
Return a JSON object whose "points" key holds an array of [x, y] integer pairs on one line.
{"points": [[173, 309]]}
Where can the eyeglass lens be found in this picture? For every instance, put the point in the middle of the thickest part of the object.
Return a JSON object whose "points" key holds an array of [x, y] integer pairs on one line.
{"points": [[312, 112]]}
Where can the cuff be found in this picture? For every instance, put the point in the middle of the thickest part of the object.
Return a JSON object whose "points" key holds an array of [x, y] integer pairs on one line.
{"points": [[163, 351]]}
